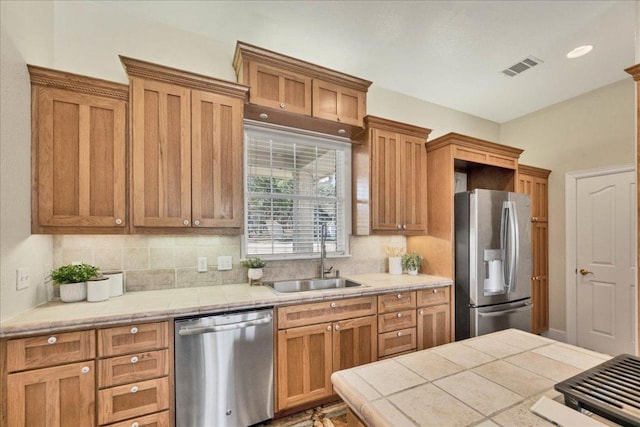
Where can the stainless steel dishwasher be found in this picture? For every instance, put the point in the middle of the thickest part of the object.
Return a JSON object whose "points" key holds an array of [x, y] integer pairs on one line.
{"points": [[224, 369]]}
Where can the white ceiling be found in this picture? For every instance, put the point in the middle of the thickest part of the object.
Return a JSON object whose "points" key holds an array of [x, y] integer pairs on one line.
{"points": [[450, 53]]}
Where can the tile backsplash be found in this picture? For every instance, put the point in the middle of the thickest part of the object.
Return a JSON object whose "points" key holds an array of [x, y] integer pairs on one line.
{"points": [[164, 262]]}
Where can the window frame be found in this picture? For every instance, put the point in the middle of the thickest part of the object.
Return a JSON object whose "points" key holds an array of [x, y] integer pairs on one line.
{"points": [[322, 140]]}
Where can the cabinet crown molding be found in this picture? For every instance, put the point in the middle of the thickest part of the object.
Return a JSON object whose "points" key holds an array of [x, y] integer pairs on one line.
{"points": [[471, 142], [247, 52], [533, 171], [42, 76], [393, 126], [148, 70], [634, 70]]}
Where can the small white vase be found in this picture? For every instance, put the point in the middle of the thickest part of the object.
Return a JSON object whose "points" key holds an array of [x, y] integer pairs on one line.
{"points": [[116, 286], [73, 292], [98, 289], [254, 273], [413, 272], [395, 265]]}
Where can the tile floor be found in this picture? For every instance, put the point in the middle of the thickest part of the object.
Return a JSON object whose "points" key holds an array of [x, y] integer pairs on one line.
{"points": [[331, 415]]}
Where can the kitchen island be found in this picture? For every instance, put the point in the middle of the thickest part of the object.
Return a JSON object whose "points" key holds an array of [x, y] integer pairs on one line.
{"points": [[489, 380]]}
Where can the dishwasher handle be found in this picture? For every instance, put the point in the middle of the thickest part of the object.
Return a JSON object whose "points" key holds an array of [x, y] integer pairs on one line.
{"points": [[228, 327]]}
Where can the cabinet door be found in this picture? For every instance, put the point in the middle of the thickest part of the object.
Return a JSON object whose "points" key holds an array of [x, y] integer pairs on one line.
{"points": [[385, 181], [304, 365], [48, 350], [81, 142], [216, 135], [132, 338], [131, 400], [396, 342], [161, 154], [355, 342], [434, 326], [536, 188], [540, 280], [52, 397], [276, 88], [413, 184], [338, 103]]}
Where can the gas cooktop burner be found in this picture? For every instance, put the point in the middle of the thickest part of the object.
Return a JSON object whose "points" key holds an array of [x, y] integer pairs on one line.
{"points": [[611, 390]]}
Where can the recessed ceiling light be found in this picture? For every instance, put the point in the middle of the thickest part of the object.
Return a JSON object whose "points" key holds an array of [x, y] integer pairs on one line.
{"points": [[579, 51]]}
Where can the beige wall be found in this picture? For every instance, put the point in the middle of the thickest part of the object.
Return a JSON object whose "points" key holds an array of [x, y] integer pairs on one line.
{"points": [[586, 132], [86, 38]]}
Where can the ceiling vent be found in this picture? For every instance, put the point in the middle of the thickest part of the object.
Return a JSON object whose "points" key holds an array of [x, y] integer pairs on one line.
{"points": [[521, 66]]}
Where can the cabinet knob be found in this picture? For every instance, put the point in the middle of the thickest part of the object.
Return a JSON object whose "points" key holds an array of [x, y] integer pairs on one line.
{"points": [[134, 359], [399, 226], [333, 305], [196, 222], [399, 296], [338, 118], [337, 327], [282, 105], [85, 369], [435, 291], [399, 315], [185, 222], [134, 389], [399, 334], [135, 424], [52, 340], [421, 312], [134, 330], [118, 221], [404, 226], [329, 328]]}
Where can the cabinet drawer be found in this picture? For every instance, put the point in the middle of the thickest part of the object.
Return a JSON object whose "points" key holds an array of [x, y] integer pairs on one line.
{"points": [[434, 296], [161, 419], [133, 367], [397, 320], [396, 342], [132, 338], [135, 399], [326, 311], [396, 301], [49, 350]]}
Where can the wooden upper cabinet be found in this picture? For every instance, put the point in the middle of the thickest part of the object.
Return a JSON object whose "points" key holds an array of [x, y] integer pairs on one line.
{"points": [[79, 136], [534, 182], [277, 88], [322, 99], [390, 179], [186, 150]]}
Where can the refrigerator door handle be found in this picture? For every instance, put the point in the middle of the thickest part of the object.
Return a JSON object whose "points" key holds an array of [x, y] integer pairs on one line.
{"points": [[526, 306], [509, 243]]}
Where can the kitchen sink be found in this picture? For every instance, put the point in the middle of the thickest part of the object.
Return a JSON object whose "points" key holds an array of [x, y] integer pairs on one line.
{"points": [[289, 286]]}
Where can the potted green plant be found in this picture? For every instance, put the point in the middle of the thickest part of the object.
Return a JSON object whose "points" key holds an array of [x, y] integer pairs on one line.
{"points": [[72, 279], [254, 266], [412, 262]]}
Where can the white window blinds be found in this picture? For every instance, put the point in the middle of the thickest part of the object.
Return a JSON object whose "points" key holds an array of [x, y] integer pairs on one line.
{"points": [[294, 184]]}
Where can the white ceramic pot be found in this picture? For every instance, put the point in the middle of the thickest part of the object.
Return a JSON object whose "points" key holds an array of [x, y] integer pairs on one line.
{"points": [[98, 289], [116, 286], [73, 292], [254, 273], [395, 265], [413, 272]]}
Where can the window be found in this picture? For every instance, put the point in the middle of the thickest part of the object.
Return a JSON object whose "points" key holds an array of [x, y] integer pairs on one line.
{"points": [[294, 184]]}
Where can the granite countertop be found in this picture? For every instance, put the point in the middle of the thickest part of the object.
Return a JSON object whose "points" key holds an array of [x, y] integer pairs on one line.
{"points": [[153, 305], [491, 380]]}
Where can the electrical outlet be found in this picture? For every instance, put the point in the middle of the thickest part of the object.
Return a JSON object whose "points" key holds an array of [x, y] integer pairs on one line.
{"points": [[23, 279], [224, 262], [202, 264]]}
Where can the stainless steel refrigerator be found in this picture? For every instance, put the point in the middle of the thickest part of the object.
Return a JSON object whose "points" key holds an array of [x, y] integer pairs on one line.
{"points": [[493, 262]]}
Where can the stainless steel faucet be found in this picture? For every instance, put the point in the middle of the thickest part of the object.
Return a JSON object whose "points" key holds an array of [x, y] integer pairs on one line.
{"points": [[323, 251]]}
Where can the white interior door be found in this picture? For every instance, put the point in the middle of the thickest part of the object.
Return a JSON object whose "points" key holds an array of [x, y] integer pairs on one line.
{"points": [[605, 263]]}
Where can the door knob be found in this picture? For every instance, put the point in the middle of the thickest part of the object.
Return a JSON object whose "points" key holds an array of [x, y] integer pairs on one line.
{"points": [[585, 272]]}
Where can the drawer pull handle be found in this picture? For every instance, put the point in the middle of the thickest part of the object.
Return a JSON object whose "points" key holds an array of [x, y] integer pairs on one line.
{"points": [[134, 359], [435, 291], [399, 315], [329, 328], [134, 389], [118, 221], [85, 369], [337, 327], [333, 305], [135, 424], [399, 334], [282, 105], [52, 340], [421, 312], [399, 296], [134, 330]]}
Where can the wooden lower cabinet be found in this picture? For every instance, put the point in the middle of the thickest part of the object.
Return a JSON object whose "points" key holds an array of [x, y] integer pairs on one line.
{"points": [[354, 342], [353, 420], [160, 419], [434, 326], [52, 397], [540, 278]]}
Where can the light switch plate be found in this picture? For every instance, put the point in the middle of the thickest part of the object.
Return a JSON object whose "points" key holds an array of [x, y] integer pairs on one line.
{"points": [[22, 278], [224, 262], [202, 264]]}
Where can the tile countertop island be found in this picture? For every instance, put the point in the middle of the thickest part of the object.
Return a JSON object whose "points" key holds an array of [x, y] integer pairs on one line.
{"points": [[491, 380], [153, 305]]}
